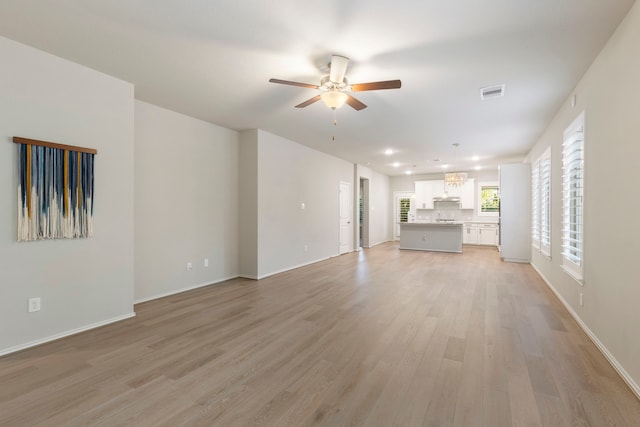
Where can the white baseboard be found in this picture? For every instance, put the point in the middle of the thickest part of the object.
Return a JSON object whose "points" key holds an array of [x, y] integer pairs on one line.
{"points": [[517, 260], [603, 349], [379, 243], [178, 291], [296, 266], [246, 276], [65, 334]]}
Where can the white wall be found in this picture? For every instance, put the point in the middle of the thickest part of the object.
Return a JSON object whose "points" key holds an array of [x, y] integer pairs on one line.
{"points": [[288, 175], [186, 204], [610, 94], [248, 204], [82, 282], [180, 184]]}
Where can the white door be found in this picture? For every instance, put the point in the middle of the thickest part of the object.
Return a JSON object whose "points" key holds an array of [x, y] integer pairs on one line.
{"points": [[346, 217], [403, 210]]}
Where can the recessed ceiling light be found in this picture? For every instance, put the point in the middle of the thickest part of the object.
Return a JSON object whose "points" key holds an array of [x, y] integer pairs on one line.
{"points": [[445, 166], [396, 164], [408, 172], [388, 151], [475, 158], [478, 167]]}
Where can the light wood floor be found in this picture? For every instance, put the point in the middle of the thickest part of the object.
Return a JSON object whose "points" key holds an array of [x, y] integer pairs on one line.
{"points": [[379, 338]]}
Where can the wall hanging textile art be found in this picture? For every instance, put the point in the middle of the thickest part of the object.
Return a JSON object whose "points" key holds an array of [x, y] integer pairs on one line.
{"points": [[55, 190]]}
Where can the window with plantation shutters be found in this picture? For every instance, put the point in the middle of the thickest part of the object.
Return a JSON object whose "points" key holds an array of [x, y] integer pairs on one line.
{"points": [[545, 202], [535, 204], [541, 203], [572, 198]]}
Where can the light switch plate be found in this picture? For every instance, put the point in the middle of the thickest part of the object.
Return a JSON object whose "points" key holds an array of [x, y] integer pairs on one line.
{"points": [[34, 304]]}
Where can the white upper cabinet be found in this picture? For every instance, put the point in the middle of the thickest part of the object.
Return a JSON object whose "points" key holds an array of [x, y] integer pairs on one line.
{"points": [[429, 190], [468, 194], [421, 195], [437, 188], [426, 190]]}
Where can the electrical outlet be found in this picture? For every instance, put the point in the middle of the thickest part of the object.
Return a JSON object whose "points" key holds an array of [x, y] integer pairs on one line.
{"points": [[189, 266], [581, 299], [206, 262], [34, 304], [306, 248]]}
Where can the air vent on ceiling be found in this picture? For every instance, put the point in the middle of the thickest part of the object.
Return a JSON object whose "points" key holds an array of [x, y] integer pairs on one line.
{"points": [[491, 92]]}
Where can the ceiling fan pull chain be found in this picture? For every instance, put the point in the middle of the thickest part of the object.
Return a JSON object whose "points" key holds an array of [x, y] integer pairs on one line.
{"points": [[335, 123]]}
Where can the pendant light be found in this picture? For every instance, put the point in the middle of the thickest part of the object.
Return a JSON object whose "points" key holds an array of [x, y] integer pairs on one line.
{"points": [[455, 179]]}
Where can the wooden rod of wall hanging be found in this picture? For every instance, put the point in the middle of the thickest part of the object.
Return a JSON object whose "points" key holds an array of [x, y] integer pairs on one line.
{"points": [[20, 140]]}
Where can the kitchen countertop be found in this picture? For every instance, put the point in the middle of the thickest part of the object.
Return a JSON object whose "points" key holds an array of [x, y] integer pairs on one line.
{"points": [[481, 222], [415, 223]]}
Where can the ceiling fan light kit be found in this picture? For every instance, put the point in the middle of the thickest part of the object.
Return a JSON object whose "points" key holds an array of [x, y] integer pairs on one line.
{"points": [[335, 89], [334, 98]]}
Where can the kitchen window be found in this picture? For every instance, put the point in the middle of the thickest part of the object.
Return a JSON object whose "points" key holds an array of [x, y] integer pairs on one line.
{"points": [[572, 198], [541, 203], [488, 199]]}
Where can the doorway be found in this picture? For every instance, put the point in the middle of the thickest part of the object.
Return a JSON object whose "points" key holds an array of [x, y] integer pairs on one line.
{"points": [[403, 210], [363, 216]]}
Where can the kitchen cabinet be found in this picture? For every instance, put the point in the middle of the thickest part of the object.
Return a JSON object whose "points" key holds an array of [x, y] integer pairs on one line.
{"points": [[438, 237], [425, 191], [488, 234], [480, 234], [452, 190], [436, 188], [421, 195], [468, 194], [470, 234]]}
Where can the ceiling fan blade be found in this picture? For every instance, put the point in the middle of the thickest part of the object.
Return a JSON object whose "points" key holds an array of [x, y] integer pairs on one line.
{"points": [[355, 104], [338, 68], [388, 84], [309, 102], [287, 82]]}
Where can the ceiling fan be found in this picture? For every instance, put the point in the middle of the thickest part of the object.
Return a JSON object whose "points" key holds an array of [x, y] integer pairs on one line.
{"points": [[335, 89]]}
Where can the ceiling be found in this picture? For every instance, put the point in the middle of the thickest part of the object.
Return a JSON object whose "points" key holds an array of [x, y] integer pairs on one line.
{"points": [[213, 59]]}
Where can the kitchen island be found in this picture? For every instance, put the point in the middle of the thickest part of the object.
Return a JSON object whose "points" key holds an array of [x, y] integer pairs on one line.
{"points": [[431, 236]]}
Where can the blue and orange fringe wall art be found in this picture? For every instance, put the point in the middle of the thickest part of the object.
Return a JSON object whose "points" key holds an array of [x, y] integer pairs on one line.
{"points": [[55, 190]]}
